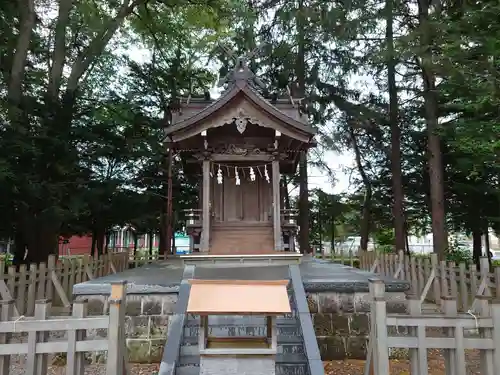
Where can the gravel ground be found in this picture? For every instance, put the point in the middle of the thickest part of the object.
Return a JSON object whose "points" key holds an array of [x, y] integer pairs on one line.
{"points": [[348, 367], [402, 367]]}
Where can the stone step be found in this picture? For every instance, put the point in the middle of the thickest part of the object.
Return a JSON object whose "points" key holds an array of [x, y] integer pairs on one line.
{"points": [[230, 331], [284, 349], [292, 369], [282, 340], [193, 358], [187, 370], [281, 369], [251, 321]]}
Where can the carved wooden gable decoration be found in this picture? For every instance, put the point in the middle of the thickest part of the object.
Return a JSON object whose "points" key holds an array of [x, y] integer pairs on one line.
{"points": [[241, 106]]}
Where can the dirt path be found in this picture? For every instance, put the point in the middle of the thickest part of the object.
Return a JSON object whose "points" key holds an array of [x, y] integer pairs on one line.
{"points": [[402, 367]]}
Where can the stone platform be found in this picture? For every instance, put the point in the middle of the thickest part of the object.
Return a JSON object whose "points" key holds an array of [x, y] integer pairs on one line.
{"points": [[337, 297]]}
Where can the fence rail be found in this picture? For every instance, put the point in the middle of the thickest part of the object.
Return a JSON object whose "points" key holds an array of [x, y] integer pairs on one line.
{"points": [[54, 280], [431, 279], [458, 333], [38, 346]]}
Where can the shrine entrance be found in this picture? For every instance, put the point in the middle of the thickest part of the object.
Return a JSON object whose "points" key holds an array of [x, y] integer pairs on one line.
{"points": [[249, 202]]}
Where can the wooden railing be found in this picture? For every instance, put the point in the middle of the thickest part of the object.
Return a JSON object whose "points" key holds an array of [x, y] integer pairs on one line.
{"points": [[452, 333], [37, 345], [431, 279], [54, 280]]}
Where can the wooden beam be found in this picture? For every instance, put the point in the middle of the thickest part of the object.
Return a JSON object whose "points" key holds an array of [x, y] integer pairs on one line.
{"points": [[205, 234], [276, 205]]}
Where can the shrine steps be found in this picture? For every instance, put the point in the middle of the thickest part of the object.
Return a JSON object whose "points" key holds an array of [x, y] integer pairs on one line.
{"points": [[239, 238], [290, 360]]}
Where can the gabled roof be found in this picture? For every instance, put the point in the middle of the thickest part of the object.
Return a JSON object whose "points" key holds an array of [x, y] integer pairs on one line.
{"points": [[240, 84]]}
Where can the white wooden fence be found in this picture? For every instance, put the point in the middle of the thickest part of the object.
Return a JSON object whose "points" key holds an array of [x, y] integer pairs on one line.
{"points": [[459, 332], [38, 345], [431, 279]]}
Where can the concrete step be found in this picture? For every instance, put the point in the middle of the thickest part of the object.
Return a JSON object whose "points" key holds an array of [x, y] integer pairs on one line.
{"points": [[282, 340], [187, 370], [292, 369]]}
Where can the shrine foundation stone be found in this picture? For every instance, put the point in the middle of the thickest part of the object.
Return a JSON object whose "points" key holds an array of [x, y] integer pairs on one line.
{"points": [[339, 305]]}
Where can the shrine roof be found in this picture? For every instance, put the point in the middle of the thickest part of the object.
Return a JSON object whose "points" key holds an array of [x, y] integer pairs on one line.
{"points": [[240, 84], [238, 297]]}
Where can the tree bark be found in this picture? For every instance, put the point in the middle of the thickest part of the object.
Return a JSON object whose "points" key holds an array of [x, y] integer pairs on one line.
{"points": [[477, 245], [430, 95], [59, 54], [367, 200], [300, 70], [397, 178], [17, 73]]}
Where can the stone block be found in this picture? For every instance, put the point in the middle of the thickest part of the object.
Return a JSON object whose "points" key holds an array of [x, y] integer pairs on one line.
{"points": [[137, 326], [332, 348], [356, 347], [168, 304], [359, 325], [322, 324], [237, 365], [151, 305], [156, 352], [361, 302], [347, 302], [95, 304], [159, 325], [329, 302], [139, 351], [133, 307], [340, 325], [312, 302]]}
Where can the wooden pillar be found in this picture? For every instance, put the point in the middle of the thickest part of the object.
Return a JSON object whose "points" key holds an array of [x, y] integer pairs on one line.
{"points": [[276, 205], [205, 234]]}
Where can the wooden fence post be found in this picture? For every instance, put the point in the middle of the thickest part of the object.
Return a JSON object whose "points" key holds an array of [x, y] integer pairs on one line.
{"points": [[119, 292], [6, 315], [36, 364], [486, 356], [495, 314], [464, 291], [76, 360], [414, 309], [450, 310], [436, 291], [379, 315]]}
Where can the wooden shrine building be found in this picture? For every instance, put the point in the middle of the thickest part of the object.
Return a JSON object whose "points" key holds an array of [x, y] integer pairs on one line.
{"points": [[240, 144]]}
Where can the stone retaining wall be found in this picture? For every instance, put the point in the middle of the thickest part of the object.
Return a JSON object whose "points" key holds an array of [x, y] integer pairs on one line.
{"points": [[146, 325], [341, 321]]}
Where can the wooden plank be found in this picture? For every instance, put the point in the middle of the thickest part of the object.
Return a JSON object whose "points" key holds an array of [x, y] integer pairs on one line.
{"points": [[486, 356], [5, 293], [54, 347], [59, 289], [450, 310], [58, 324], [6, 315], [75, 361], [21, 290]]}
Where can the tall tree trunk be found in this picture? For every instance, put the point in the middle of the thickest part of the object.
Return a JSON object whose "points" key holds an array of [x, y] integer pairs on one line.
{"points": [[477, 245], [93, 248], [430, 95], [300, 70], [151, 235], [367, 200], [397, 178]]}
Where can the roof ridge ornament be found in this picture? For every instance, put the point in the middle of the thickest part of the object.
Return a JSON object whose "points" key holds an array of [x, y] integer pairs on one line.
{"points": [[241, 71]]}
